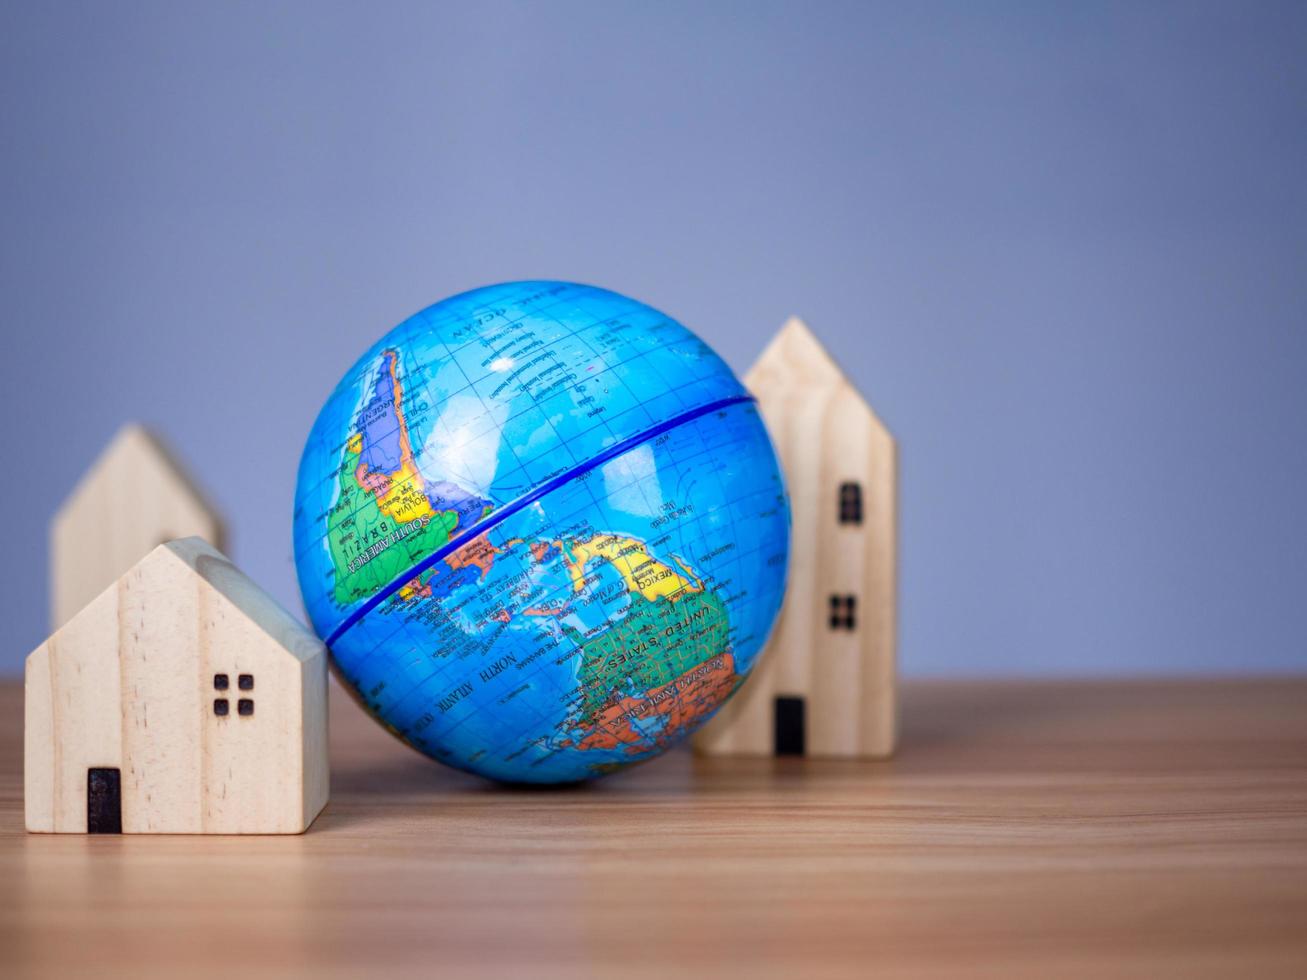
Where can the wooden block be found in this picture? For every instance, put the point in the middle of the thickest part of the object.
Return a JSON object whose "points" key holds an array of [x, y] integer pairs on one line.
{"points": [[830, 661], [187, 693], [133, 498]]}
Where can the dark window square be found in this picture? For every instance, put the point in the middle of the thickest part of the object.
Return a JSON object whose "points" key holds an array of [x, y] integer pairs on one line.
{"points": [[220, 706], [245, 682], [220, 682], [841, 612], [245, 706], [850, 503]]}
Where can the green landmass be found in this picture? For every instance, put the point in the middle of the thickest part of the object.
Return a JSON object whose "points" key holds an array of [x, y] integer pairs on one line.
{"points": [[655, 643], [357, 524]]}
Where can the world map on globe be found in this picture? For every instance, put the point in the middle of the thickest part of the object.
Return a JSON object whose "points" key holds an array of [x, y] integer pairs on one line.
{"points": [[542, 530]]}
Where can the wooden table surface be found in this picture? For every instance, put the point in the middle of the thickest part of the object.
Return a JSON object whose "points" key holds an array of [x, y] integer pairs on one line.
{"points": [[1138, 829]]}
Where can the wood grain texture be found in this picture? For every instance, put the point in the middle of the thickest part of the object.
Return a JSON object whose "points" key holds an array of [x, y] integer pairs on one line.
{"points": [[129, 684], [134, 497], [826, 435], [1023, 830]]}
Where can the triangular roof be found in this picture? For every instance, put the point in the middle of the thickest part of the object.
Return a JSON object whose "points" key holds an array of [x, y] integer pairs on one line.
{"points": [[200, 557], [796, 359], [141, 447], [794, 356], [188, 558], [134, 497]]}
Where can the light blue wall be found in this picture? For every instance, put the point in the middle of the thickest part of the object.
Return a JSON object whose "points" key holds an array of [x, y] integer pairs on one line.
{"points": [[1061, 248]]}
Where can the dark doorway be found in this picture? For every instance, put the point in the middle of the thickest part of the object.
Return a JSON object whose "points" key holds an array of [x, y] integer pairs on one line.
{"points": [[789, 726], [104, 802]]}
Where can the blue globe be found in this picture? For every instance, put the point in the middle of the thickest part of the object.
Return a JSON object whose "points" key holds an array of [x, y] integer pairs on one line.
{"points": [[543, 531]]}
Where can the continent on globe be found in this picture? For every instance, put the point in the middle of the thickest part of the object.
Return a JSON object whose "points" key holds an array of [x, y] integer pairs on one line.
{"points": [[654, 664], [385, 500], [667, 659], [543, 531]]}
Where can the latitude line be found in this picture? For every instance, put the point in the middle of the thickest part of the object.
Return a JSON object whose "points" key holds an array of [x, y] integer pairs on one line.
{"points": [[525, 500], [443, 674]]}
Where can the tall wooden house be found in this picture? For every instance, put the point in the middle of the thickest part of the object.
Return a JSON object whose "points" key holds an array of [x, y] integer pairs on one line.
{"points": [[826, 684], [181, 700], [134, 497]]}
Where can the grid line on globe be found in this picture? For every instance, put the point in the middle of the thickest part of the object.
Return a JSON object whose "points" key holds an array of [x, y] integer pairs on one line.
{"points": [[560, 568], [403, 626]]}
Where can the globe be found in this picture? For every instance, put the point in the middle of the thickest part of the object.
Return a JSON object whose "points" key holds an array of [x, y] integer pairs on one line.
{"points": [[542, 530]]}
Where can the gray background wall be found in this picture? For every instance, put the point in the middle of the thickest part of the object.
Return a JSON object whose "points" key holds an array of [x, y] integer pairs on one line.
{"points": [[1061, 248]]}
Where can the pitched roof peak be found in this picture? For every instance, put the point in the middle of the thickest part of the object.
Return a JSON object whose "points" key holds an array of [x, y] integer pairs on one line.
{"points": [[795, 357], [136, 446], [193, 556]]}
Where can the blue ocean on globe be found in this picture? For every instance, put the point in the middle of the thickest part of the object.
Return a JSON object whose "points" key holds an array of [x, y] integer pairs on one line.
{"points": [[543, 531]]}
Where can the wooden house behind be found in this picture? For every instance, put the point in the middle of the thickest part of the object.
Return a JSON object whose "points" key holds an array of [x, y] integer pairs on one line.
{"points": [[826, 684], [133, 498]]}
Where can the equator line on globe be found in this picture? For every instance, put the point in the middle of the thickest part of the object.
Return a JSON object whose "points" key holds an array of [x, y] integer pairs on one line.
{"points": [[496, 517], [543, 531]]}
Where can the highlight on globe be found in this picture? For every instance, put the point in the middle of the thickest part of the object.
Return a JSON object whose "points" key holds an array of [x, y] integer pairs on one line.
{"points": [[543, 531]]}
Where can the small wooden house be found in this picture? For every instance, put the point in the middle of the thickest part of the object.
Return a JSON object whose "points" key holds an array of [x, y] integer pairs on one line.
{"points": [[826, 685], [182, 700], [134, 497]]}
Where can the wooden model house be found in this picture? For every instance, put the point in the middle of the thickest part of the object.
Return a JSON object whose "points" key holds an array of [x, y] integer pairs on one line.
{"points": [[133, 498], [826, 684], [181, 700]]}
